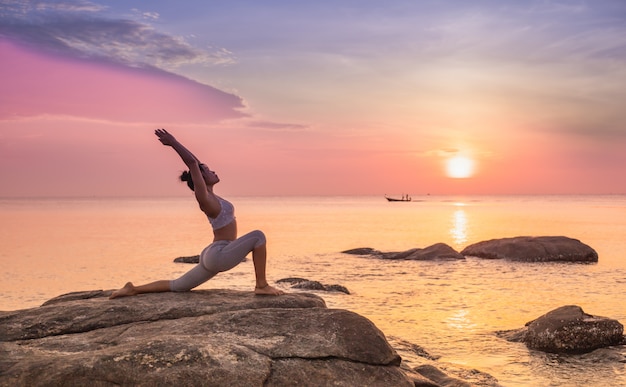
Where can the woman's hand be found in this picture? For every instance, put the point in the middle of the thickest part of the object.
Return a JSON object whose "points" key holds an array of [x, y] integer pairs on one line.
{"points": [[165, 137], [189, 159]]}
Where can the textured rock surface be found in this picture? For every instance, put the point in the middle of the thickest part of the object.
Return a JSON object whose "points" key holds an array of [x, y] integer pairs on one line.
{"points": [[206, 337], [362, 251], [434, 374], [195, 259], [433, 252], [303, 283], [188, 259], [569, 329], [533, 249]]}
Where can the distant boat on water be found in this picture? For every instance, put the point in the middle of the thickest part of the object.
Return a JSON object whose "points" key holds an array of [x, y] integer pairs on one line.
{"points": [[405, 198]]}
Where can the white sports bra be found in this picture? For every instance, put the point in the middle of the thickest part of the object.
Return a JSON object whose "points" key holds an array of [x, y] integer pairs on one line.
{"points": [[226, 215]]}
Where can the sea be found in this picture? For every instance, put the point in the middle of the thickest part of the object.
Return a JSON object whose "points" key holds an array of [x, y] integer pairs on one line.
{"points": [[449, 309]]}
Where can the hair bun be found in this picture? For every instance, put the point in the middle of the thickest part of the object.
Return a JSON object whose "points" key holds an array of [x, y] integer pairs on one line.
{"points": [[185, 176]]}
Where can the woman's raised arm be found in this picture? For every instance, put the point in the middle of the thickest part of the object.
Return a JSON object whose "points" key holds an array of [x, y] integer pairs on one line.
{"points": [[169, 140], [208, 203]]}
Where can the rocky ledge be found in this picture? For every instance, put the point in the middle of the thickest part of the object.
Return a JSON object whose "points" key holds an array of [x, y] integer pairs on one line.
{"points": [[206, 337], [568, 329]]}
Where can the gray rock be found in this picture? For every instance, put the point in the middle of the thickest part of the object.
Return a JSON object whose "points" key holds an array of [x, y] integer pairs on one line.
{"points": [[303, 283], [418, 379], [412, 348], [292, 280], [195, 259], [205, 337], [190, 259], [362, 251], [310, 285], [337, 288], [533, 249], [433, 252], [439, 377], [568, 330]]}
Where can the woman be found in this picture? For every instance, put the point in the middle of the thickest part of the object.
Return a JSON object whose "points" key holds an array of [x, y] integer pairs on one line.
{"points": [[226, 251]]}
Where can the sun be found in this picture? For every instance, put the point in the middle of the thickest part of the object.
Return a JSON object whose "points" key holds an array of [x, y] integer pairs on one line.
{"points": [[460, 167]]}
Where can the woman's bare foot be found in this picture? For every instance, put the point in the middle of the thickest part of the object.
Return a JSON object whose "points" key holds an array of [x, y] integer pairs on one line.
{"points": [[267, 290], [127, 290]]}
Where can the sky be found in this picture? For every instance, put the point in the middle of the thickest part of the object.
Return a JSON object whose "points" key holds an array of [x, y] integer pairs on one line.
{"points": [[342, 97]]}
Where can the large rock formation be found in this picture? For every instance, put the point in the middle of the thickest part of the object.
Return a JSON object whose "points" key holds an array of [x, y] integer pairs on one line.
{"points": [[533, 249], [205, 337], [568, 330], [434, 252]]}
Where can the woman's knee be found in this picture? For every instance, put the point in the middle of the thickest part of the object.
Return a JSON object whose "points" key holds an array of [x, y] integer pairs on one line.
{"points": [[260, 238], [257, 237]]}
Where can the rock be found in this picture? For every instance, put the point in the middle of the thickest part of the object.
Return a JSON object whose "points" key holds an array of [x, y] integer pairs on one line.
{"points": [[434, 252], [362, 251], [418, 364], [414, 349], [303, 283], [513, 335], [418, 379], [337, 288], [204, 337], [85, 295], [439, 377], [303, 372], [533, 249], [568, 330], [425, 374], [194, 259], [190, 259], [310, 285], [291, 280]]}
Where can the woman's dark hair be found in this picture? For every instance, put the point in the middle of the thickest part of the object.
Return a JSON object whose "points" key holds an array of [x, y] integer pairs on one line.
{"points": [[186, 176]]}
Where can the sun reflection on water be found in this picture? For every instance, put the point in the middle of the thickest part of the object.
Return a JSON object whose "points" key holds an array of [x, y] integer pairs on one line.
{"points": [[461, 320], [459, 225]]}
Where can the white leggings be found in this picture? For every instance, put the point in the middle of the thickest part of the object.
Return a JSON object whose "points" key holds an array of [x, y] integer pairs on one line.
{"points": [[217, 257]]}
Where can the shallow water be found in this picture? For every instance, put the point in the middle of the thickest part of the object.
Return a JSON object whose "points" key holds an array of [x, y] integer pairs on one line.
{"points": [[450, 308]]}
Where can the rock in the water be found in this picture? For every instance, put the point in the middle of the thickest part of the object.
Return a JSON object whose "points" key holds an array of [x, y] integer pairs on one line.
{"points": [[291, 280], [190, 259], [362, 251], [205, 337], [568, 330], [533, 249], [303, 283], [433, 252], [439, 377], [337, 288], [310, 285], [194, 259]]}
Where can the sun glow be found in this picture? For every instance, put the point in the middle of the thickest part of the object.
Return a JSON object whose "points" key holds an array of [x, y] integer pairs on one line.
{"points": [[460, 167]]}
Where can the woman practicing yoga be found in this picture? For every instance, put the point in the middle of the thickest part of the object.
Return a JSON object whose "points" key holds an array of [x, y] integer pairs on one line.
{"points": [[226, 251]]}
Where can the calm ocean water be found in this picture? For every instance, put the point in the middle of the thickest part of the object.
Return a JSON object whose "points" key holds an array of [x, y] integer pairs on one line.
{"points": [[451, 309]]}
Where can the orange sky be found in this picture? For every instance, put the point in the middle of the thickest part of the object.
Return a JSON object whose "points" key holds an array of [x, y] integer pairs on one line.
{"points": [[319, 104]]}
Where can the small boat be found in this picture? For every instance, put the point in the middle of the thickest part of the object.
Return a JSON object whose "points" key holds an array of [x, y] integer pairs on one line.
{"points": [[404, 198]]}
